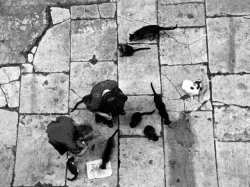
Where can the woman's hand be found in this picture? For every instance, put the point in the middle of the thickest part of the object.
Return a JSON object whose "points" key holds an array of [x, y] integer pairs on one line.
{"points": [[82, 151]]}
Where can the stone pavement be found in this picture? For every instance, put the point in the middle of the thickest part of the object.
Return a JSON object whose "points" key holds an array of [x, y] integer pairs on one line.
{"points": [[53, 52]]}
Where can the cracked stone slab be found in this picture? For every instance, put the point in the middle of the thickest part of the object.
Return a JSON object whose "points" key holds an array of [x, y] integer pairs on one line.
{"points": [[178, 1], [20, 25], [233, 163], [232, 123], [107, 10], [172, 78], [53, 52], [138, 71], [140, 104], [85, 12], [36, 158], [85, 75], [8, 128], [11, 92], [94, 152], [191, 14], [228, 43], [231, 89], [9, 74], [139, 166], [223, 7], [3, 99], [44, 93], [132, 15], [7, 158], [191, 43], [59, 15], [94, 37], [189, 150]]}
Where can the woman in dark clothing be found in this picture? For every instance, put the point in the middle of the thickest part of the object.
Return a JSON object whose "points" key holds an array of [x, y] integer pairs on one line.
{"points": [[65, 136], [106, 100]]}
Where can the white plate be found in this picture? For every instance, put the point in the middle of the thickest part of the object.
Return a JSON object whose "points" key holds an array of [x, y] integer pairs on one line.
{"points": [[94, 171]]}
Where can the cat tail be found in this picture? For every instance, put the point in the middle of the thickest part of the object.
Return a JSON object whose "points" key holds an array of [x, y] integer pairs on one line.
{"points": [[86, 99], [168, 28], [153, 88], [75, 107], [114, 133], [144, 48], [74, 178], [147, 113]]}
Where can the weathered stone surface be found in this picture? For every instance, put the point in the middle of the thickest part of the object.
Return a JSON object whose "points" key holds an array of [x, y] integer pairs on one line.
{"points": [[189, 150], [3, 100], [8, 128], [191, 14], [138, 165], [140, 104], [27, 68], [59, 14], [8, 74], [11, 92], [93, 37], [233, 164], [33, 50], [19, 25], [232, 123], [231, 89], [8, 135], [30, 57], [85, 75], [53, 52], [94, 152], [223, 7], [132, 15], [178, 1], [44, 94], [138, 71], [190, 43], [36, 159], [172, 78], [107, 10], [84, 12], [228, 43], [7, 159]]}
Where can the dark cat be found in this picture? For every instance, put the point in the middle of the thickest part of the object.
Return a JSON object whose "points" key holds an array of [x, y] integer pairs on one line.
{"points": [[149, 30], [127, 50], [107, 153], [161, 107], [137, 117], [149, 131], [72, 168]]}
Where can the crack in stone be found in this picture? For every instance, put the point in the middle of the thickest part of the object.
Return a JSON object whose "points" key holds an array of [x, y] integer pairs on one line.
{"points": [[223, 14], [175, 89], [181, 3], [228, 105], [172, 84], [99, 11], [4, 95], [133, 20], [188, 45], [75, 92]]}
